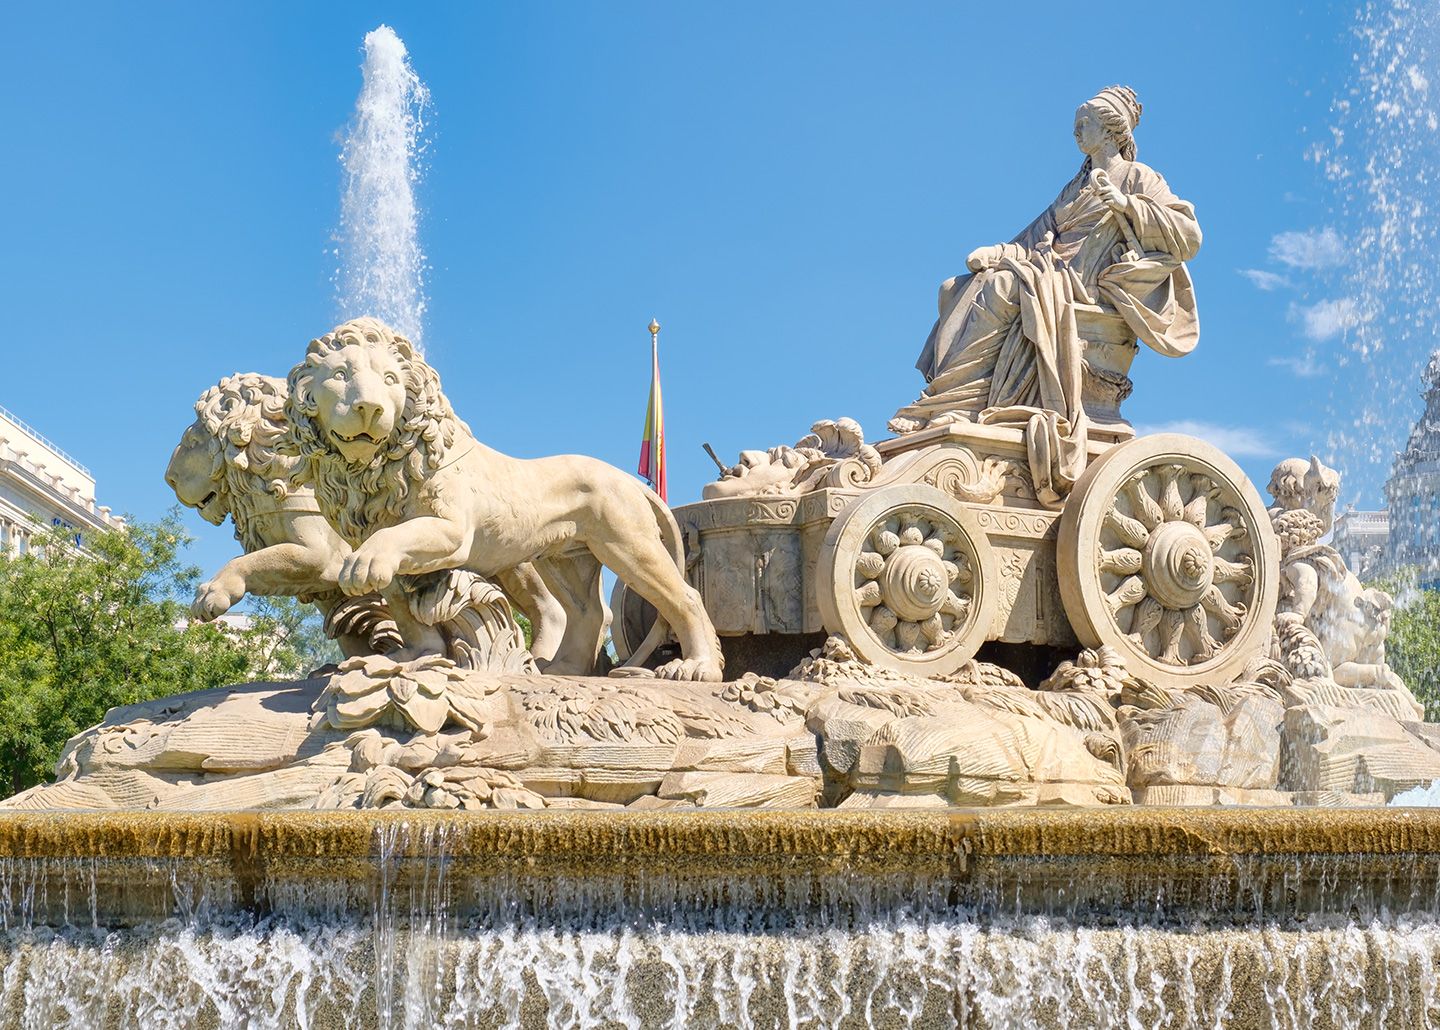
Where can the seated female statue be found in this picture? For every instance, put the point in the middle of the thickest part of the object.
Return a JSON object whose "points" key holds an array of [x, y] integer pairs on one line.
{"points": [[1005, 349]]}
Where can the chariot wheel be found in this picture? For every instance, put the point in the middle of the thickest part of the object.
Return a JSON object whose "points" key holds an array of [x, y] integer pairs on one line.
{"points": [[907, 576], [631, 617], [1166, 554]]}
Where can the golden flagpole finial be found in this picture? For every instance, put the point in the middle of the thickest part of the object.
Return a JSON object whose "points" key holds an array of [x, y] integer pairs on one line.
{"points": [[654, 328]]}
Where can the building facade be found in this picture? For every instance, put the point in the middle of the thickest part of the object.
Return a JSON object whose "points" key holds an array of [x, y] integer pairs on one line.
{"points": [[1362, 538], [1406, 535], [38, 478], [1412, 493]]}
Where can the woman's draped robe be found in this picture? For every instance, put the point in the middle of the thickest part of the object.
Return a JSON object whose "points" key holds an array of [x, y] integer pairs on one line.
{"points": [[1005, 349]]}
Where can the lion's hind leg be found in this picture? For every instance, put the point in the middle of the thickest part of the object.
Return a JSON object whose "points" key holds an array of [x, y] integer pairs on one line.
{"points": [[527, 591], [645, 566], [575, 584]]}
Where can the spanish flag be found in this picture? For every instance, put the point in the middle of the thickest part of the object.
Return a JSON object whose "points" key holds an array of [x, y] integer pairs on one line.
{"points": [[652, 446]]}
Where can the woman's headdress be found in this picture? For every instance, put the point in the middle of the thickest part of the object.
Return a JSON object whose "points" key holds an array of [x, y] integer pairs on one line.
{"points": [[1120, 113], [1122, 101]]}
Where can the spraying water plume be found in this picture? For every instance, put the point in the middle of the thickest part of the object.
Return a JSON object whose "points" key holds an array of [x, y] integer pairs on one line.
{"points": [[1383, 160], [381, 266]]}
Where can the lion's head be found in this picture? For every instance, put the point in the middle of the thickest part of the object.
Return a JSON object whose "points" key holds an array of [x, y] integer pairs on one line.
{"points": [[367, 416], [226, 463]]}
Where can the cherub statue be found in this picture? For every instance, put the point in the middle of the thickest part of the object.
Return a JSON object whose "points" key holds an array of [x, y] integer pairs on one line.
{"points": [[1324, 610], [1311, 485], [1006, 350]]}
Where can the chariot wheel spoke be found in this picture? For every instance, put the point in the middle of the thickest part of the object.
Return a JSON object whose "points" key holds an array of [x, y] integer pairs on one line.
{"points": [[1130, 591], [1197, 631], [870, 564], [1172, 623], [1170, 503], [1202, 490], [1124, 561], [1132, 532], [1241, 572], [1143, 505], [1145, 618], [955, 605], [1227, 614]]}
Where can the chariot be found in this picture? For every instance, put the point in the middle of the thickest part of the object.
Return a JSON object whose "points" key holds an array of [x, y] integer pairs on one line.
{"points": [[1163, 551]]}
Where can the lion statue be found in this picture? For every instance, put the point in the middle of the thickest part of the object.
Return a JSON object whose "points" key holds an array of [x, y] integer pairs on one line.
{"points": [[405, 484], [226, 464]]}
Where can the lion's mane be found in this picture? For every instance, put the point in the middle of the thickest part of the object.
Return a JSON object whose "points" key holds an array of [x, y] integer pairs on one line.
{"points": [[355, 499], [241, 419]]}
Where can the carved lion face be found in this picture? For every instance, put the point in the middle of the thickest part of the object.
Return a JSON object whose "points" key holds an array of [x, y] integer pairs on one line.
{"points": [[356, 394], [196, 475]]}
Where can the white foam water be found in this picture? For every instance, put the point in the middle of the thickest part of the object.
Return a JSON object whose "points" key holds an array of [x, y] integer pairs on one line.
{"points": [[381, 268], [907, 972], [433, 949]]}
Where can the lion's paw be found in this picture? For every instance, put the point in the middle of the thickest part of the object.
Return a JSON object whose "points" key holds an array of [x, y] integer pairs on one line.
{"points": [[368, 571], [700, 669], [215, 597]]}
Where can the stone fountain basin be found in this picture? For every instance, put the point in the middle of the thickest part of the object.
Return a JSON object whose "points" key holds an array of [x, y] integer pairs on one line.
{"points": [[1028, 918], [1148, 864]]}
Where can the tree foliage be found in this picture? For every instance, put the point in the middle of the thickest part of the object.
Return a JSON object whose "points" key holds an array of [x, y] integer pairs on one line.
{"points": [[286, 639], [83, 629], [1413, 647]]}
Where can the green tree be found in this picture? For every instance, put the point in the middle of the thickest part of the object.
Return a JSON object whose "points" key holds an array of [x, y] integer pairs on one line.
{"points": [[83, 629], [286, 638], [1413, 647]]}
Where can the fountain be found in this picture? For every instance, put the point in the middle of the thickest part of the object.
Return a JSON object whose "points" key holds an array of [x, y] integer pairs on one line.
{"points": [[381, 265], [1380, 161], [710, 919], [1014, 719]]}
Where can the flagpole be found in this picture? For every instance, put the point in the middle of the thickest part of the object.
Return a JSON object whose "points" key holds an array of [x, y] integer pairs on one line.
{"points": [[652, 445], [657, 446]]}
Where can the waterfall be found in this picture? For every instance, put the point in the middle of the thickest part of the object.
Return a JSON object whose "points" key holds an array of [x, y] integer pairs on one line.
{"points": [[380, 264], [274, 930]]}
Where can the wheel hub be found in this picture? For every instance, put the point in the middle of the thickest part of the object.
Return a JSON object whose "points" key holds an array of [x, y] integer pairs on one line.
{"points": [[1178, 565], [914, 582]]}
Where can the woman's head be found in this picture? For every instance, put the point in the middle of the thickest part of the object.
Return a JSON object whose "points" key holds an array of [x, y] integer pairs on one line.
{"points": [[1113, 111]]}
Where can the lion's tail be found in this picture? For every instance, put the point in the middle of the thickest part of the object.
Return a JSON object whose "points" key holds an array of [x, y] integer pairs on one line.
{"points": [[670, 534]]}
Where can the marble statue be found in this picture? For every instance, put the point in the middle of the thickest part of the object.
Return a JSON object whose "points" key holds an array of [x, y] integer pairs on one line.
{"points": [[1309, 485], [226, 464], [1180, 642], [1040, 322], [403, 482], [818, 456], [1333, 626]]}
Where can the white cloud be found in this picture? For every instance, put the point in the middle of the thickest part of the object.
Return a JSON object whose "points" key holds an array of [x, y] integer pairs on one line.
{"points": [[1236, 441], [1304, 366], [1325, 319], [1264, 280], [1313, 249]]}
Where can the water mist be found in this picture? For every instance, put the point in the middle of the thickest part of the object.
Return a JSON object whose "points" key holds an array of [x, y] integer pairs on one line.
{"points": [[1382, 159]]}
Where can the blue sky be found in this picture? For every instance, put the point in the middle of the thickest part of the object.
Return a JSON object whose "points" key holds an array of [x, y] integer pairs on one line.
{"points": [[783, 186]]}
